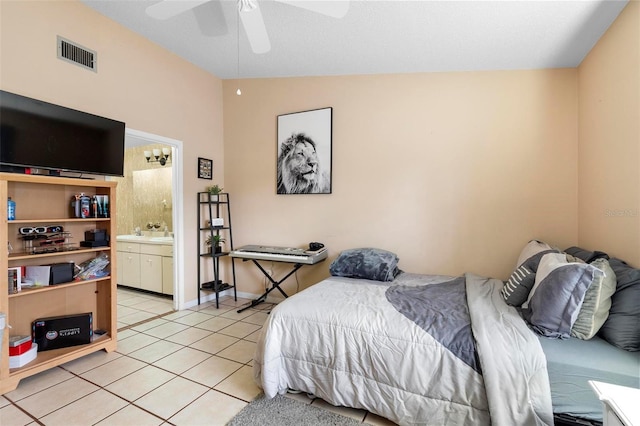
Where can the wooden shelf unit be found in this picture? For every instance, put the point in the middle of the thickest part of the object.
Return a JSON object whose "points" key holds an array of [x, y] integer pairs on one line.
{"points": [[45, 200]]}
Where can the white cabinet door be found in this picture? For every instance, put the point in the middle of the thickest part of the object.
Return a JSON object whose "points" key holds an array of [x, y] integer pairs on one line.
{"points": [[129, 269], [151, 272], [167, 275], [120, 257]]}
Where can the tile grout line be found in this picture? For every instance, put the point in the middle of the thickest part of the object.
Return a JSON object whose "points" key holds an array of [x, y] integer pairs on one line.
{"points": [[254, 310], [164, 339], [11, 402], [176, 375], [242, 364]]}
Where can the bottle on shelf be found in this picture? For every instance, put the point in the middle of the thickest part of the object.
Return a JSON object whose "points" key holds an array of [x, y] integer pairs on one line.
{"points": [[11, 209]]}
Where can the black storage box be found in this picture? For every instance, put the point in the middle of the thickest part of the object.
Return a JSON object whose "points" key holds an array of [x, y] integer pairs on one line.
{"points": [[95, 235], [62, 331], [103, 243], [61, 273]]}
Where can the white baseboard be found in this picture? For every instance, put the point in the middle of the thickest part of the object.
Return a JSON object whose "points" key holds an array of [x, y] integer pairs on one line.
{"points": [[211, 297]]}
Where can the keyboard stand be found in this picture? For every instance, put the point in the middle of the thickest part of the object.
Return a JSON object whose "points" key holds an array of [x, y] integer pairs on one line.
{"points": [[274, 284]]}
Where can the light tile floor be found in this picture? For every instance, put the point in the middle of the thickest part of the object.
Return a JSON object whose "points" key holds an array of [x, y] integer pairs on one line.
{"points": [[190, 367]]}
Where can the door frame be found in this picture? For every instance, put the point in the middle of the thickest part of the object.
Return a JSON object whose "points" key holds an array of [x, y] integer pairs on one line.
{"points": [[177, 201]]}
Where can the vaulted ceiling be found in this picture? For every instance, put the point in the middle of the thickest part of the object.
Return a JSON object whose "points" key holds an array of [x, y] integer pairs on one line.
{"points": [[375, 37]]}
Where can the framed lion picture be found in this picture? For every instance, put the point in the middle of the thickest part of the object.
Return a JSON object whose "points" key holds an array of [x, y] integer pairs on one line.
{"points": [[304, 152]]}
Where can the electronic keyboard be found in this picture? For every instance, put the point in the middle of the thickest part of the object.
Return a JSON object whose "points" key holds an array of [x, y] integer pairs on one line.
{"points": [[280, 254]]}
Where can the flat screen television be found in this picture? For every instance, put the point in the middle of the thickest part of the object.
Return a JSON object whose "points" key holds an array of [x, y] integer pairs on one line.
{"points": [[39, 135]]}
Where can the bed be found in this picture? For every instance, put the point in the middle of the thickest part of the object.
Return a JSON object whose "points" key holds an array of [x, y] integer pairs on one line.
{"points": [[611, 356], [573, 362], [422, 349]]}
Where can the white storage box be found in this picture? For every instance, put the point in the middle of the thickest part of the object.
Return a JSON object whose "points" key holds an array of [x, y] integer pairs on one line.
{"points": [[24, 359]]}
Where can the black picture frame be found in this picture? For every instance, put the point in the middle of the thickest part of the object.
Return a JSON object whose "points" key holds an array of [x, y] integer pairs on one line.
{"points": [[304, 152], [205, 168]]}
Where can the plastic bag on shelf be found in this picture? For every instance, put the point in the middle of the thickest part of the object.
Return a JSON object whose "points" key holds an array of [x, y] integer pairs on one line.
{"points": [[97, 267]]}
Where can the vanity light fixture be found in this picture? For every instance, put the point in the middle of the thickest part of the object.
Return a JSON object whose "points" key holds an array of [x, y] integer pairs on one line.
{"points": [[161, 156]]}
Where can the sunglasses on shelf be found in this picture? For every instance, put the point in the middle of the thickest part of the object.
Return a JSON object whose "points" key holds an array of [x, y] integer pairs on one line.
{"points": [[27, 230]]}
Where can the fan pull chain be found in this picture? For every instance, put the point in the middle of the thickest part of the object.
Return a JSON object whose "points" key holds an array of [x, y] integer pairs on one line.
{"points": [[241, 4]]}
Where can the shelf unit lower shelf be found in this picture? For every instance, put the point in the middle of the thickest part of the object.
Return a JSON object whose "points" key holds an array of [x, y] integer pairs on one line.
{"points": [[54, 358], [40, 289], [211, 287]]}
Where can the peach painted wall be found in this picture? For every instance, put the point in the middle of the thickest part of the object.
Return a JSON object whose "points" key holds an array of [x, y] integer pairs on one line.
{"points": [[454, 172], [137, 82], [609, 153]]}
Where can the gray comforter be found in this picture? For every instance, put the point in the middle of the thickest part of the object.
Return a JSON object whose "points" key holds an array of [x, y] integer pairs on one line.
{"points": [[425, 350]]}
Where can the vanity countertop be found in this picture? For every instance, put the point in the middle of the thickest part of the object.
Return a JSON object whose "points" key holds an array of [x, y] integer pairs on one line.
{"points": [[143, 239]]}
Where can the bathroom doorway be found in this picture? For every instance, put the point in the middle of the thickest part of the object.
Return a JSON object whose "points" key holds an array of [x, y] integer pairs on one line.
{"points": [[148, 212]]}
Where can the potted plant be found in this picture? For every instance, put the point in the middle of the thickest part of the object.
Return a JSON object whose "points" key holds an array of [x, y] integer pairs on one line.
{"points": [[216, 241], [214, 190]]}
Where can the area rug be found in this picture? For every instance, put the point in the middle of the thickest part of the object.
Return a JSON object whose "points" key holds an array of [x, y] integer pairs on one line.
{"points": [[283, 411]]}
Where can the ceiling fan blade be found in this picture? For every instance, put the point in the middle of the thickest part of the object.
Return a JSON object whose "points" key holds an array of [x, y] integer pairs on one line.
{"points": [[210, 19], [256, 30], [335, 9], [169, 8]]}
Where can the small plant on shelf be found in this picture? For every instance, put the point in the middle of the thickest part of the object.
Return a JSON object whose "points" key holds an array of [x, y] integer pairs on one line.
{"points": [[214, 189], [216, 241]]}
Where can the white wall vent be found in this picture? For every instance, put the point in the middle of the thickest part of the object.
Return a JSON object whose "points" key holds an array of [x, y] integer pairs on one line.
{"points": [[76, 54]]}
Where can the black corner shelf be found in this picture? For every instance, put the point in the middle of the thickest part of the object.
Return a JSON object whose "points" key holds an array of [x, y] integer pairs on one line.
{"points": [[208, 209], [210, 287], [221, 254]]}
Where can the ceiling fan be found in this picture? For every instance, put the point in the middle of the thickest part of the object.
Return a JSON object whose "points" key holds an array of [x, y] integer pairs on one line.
{"points": [[250, 15]]}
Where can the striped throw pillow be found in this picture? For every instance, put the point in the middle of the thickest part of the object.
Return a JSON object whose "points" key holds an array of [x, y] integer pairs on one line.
{"points": [[516, 289], [597, 302]]}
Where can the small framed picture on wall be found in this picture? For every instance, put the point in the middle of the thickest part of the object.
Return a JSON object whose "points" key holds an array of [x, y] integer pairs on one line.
{"points": [[205, 168]]}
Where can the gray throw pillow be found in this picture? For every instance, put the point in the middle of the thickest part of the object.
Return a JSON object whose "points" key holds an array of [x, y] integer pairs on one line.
{"points": [[516, 289], [369, 263], [622, 327], [586, 255], [532, 253], [597, 302], [557, 295]]}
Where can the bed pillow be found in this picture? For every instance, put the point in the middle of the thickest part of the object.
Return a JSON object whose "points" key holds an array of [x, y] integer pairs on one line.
{"points": [[532, 253], [369, 263], [557, 295], [597, 302], [516, 289], [586, 255], [622, 327]]}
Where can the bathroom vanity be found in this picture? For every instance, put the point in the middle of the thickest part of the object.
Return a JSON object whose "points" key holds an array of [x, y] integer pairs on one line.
{"points": [[146, 262]]}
